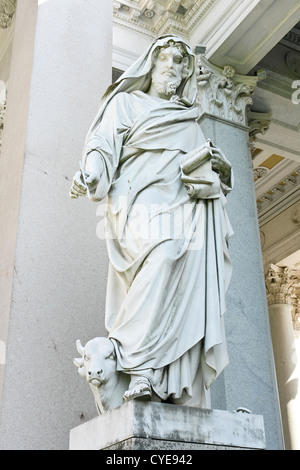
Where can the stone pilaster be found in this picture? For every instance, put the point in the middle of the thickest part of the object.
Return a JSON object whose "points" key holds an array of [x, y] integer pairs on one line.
{"points": [[224, 98]]}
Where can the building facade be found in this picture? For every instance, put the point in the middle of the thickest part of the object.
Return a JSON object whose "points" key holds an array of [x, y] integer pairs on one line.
{"points": [[56, 60]]}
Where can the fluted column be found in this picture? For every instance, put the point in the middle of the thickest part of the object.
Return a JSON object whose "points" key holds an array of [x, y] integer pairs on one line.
{"points": [[281, 284], [224, 98]]}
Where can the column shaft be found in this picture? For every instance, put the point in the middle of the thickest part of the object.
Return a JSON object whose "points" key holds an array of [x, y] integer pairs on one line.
{"points": [[249, 381], [285, 362]]}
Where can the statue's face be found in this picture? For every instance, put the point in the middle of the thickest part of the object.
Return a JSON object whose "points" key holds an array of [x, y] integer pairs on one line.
{"points": [[169, 70]]}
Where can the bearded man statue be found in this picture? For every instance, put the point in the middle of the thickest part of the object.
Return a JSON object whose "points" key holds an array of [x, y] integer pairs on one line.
{"points": [[167, 282]]}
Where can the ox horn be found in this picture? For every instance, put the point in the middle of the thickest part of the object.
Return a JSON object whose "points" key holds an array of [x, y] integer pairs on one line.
{"points": [[79, 347], [78, 362]]}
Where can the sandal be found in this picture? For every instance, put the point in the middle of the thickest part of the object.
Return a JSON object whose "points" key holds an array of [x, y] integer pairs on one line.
{"points": [[140, 389]]}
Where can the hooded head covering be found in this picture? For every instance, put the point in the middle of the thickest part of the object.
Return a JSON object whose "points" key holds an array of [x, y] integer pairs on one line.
{"points": [[138, 77]]}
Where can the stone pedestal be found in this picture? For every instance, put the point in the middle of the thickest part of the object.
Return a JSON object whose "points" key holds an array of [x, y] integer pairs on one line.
{"points": [[139, 425]]}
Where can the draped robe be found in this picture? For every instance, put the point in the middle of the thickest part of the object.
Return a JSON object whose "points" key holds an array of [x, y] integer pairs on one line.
{"points": [[169, 266]]}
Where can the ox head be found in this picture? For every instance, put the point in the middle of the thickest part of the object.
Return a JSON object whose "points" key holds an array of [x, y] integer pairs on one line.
{"points": [[97, 363]]}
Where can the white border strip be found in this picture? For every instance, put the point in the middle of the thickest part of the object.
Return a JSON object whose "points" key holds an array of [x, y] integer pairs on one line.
{"points": [[2, 353]]}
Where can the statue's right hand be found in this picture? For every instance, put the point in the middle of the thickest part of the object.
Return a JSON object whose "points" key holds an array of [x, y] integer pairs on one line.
{"points": [[92, 179], [78, 187]]}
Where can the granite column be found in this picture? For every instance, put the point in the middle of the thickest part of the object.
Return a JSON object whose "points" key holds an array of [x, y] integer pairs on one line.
{"points": [[249, 381]]}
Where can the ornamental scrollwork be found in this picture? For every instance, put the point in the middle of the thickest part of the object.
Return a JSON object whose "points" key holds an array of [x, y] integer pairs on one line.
{"points": [[259, 123]]}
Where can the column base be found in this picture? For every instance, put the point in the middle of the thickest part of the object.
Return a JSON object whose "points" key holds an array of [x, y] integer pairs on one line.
{"points": [[139, 425]]}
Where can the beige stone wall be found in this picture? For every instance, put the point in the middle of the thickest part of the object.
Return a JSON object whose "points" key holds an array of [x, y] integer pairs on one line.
{"points": [[12, 156], [61, 65]]}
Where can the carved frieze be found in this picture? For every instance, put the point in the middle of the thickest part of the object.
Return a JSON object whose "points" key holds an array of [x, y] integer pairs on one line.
{"points": [[284, 187], [157, 17], [223, 92], [7, 11]]}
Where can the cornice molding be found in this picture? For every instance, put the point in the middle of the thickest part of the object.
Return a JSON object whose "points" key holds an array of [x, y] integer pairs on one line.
{"points": [[292, 39], [157, 17], [279, 192], [7, 11]]}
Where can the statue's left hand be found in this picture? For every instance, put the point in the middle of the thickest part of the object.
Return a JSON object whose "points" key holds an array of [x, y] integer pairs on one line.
{"points": [[220, 164], [82, 188]]}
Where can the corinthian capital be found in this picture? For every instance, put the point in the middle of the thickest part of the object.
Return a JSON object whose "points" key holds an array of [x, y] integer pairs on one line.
{"points": [[281, 284], [7, 11], [223, 92]]}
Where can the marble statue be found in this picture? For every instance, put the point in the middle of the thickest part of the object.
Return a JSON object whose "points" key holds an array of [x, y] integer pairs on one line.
{"points": [[98, 366], [167, 228]]}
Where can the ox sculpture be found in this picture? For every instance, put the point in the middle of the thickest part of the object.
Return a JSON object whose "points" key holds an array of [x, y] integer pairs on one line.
{"points": [[98, 366]]}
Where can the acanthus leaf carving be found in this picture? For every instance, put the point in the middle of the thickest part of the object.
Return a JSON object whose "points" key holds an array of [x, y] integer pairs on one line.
{"points": [[223, 92], [283, 287], [7, 11]]}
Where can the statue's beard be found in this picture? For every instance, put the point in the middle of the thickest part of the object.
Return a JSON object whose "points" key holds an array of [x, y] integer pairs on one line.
{"points": [[165, 85]]}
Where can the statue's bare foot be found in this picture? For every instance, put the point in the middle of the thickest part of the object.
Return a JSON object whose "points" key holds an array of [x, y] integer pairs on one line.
{"points": [[140, 389]]}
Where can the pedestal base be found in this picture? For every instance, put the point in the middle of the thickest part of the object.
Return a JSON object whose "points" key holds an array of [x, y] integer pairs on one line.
{"points": [[139, 425]]}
